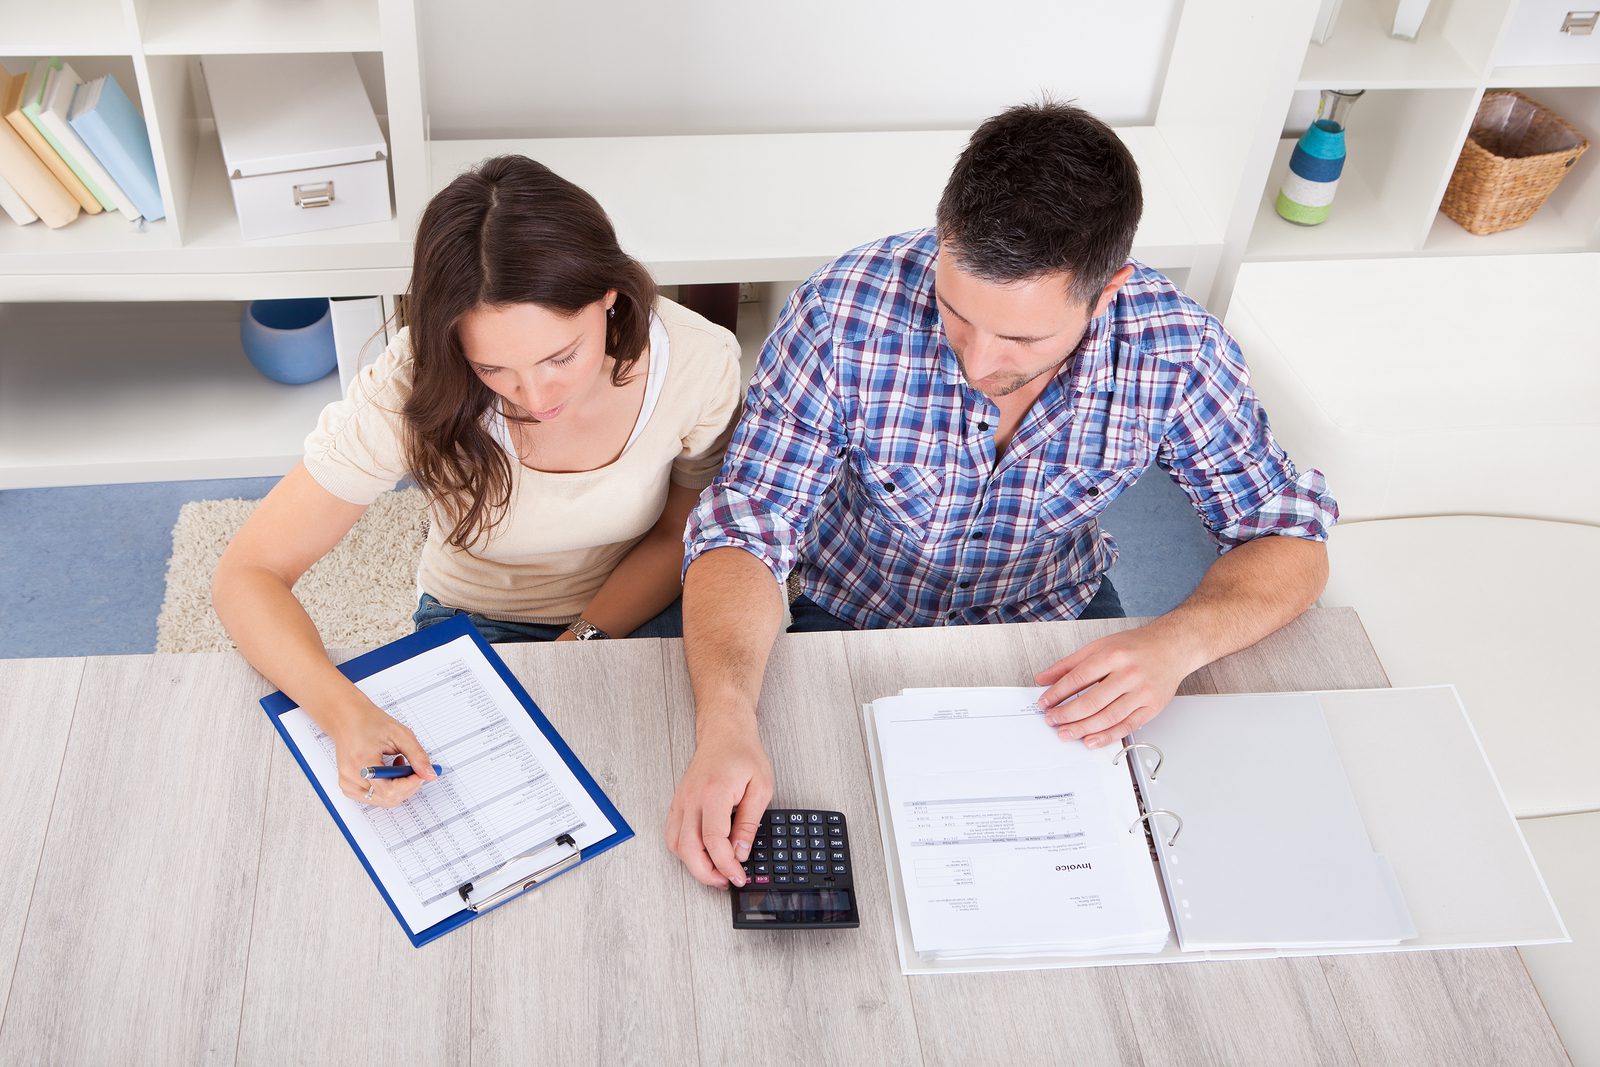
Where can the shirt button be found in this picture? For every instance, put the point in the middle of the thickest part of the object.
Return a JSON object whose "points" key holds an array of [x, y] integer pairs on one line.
{"points": [[889, 486], [978, 536], [963, 584], [983, 425], [1094, 491]]}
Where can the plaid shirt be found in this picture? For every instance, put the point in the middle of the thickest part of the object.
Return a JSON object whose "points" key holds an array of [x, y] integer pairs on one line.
{"points": [[864, 457]]}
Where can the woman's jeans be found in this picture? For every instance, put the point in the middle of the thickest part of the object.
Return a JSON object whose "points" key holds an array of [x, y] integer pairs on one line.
{"points": [[499, 631]]}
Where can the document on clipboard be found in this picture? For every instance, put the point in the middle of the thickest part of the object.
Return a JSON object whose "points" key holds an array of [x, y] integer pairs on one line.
{"points": [[514, 807]]}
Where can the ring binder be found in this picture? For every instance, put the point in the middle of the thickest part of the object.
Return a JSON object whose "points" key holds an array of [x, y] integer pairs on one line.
{"points": [[1160, 811], [1117, 759], [549, 870]]}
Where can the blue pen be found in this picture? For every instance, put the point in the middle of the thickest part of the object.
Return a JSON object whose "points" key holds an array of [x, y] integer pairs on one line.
{"points": [[399, 770]]}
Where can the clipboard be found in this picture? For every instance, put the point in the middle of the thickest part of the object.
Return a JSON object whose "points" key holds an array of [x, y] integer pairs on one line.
{"points": [[561, 855]]}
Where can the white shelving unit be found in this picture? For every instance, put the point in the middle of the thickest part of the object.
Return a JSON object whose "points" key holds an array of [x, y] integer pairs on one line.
{"points": [[1406, 133], [172, 398], [176, 400]]}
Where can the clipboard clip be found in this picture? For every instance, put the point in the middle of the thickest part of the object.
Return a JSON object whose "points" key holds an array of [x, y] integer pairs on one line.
{"points": [[1117, 759], [569, 855], [1147, 816]]}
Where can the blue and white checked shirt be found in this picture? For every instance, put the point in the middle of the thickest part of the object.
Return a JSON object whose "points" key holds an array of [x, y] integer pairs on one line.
{"points": [[864, 457]]}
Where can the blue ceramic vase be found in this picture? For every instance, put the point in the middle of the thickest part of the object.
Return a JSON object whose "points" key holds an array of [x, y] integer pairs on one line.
{"points": [[289, 341]]}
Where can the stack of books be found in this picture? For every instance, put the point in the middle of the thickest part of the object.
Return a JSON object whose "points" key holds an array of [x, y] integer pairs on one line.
{"points": [[69, 147]]}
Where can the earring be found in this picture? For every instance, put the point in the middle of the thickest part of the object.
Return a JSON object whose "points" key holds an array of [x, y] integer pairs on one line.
{"points": [[611, 312]]}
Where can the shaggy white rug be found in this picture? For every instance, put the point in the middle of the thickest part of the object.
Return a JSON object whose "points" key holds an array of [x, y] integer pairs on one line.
{"points": [[360, 595]]}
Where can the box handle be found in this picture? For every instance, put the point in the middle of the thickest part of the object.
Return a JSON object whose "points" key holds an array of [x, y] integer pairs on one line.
{"points": [[313, 194], [1580, 23]]}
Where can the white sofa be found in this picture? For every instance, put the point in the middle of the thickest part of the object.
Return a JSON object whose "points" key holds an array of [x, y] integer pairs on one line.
{"points": [[1454, 405]]}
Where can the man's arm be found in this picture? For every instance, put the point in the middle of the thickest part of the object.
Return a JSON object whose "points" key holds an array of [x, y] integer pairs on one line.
{"points": [[741, 540], [1270, 519], [1123, 681], [732, 609]]}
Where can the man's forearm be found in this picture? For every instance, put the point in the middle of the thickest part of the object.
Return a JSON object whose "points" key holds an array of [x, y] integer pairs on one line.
{"points": [[732, 609], [1255, 589]]}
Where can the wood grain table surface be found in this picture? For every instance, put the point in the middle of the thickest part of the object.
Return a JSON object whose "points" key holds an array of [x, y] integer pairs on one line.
{"points": [[172, 892]]}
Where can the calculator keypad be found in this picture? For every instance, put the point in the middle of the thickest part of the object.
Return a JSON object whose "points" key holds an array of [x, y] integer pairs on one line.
{"points": [[799, 849], [803, 843]]}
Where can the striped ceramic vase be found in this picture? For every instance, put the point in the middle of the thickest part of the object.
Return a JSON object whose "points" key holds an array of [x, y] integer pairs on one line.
{"points": [[1317, 162]]}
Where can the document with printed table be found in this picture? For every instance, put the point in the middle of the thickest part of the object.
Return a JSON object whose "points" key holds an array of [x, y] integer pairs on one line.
{"points": [[1278, 824], [513, 808]]}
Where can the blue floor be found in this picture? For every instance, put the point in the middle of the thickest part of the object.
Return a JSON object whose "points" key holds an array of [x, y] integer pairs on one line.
{"points": [[83, 569]]}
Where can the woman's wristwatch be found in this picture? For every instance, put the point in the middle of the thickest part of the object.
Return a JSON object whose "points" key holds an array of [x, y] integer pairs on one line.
{"points": [[584, 630]]}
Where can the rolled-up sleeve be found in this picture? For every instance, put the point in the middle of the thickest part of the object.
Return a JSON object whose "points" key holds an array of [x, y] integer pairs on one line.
{"points": [[785, 451], [1220, 450]]}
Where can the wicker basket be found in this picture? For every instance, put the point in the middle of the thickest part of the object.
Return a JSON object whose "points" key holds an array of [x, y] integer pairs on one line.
{"points": [[1515, 156]]}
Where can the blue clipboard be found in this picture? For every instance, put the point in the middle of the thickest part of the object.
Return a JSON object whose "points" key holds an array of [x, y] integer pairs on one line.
{"points": [[398, 652]]}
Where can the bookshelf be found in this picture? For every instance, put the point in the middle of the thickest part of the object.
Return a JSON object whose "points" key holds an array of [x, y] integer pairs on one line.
{"points": [[1407, 131], [763, 208]]}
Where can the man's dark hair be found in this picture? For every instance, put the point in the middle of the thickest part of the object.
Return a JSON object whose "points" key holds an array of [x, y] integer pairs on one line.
{"points": [[1042, 188]]}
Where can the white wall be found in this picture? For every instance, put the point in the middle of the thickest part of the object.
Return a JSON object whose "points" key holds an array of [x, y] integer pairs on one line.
{"points": [[498, 68]]}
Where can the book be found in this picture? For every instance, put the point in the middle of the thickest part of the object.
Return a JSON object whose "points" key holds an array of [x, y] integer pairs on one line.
{"points": [[50, 113], [26, 173], [112, 127], [17, 94], [12, 204]]}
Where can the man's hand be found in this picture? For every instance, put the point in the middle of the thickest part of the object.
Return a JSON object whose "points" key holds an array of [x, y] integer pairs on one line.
{"points": [[729, 771], [1111, 687]]}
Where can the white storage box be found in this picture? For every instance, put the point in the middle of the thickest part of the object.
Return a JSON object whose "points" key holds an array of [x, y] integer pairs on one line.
{"points": [[301, 143], [1551, 32]]}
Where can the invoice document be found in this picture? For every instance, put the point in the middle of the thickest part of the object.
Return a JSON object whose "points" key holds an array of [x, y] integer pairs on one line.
{"points": [[1012, 842], [505, 796]]}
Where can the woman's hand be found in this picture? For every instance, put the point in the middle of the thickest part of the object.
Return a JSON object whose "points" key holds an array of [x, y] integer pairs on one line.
{"points": [[366, 735]]}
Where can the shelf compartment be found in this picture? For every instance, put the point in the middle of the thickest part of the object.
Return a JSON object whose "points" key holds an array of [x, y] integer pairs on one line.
{"points": [[688, 206], [1451, 51], [53, 27], [1403, 144], [1569, 221], [212, 27], [141, 392]]}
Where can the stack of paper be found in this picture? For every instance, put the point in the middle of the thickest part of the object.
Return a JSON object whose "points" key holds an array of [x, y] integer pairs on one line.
{"points": [[1009, 842]]}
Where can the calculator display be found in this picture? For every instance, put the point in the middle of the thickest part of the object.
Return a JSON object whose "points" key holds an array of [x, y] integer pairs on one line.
{"points": [[794, 906]]}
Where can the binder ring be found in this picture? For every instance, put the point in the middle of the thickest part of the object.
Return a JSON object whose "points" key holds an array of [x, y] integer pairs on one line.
{"points": [[1117, 759], [1147, 816], [548, 871]]}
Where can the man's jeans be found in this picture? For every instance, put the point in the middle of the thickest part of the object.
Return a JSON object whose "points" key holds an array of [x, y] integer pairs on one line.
{"points": [[810, 618]]}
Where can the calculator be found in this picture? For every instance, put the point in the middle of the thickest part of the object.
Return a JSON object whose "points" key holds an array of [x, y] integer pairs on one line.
{"points": [[799, 874]]}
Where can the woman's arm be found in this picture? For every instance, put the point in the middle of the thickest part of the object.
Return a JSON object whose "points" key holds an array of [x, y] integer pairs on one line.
{"points": [[647, 579], [297, 524]]}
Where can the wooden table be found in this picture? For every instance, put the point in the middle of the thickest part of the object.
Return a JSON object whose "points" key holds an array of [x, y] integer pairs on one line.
{"points": [[172, 892]]}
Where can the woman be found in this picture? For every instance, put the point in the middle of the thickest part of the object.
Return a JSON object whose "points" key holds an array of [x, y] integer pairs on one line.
{"points": [[561, 419]]}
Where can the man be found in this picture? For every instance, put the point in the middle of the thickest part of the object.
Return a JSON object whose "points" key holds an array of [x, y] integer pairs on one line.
{"points": [[932, 428]]}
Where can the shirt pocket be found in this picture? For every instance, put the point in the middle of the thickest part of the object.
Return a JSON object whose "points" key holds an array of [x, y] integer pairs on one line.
{"points": [[1070, 497], [904, 496]]}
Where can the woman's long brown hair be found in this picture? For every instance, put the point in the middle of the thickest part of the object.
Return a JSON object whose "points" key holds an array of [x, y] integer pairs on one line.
{"points": [[510, 231]]}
